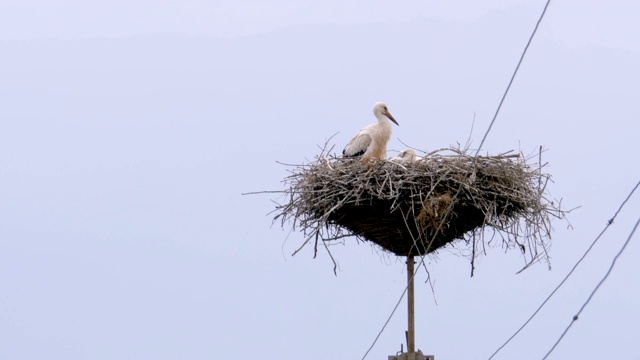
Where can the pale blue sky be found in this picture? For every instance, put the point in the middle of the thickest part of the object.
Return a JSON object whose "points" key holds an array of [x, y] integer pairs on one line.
{"points": [[129, 129]]}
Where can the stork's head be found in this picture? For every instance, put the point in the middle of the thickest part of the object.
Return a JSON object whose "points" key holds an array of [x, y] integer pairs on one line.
{"points": [[409, 154], [380, 109]]}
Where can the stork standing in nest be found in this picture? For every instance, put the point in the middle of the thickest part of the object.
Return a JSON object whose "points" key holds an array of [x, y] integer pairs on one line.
{"points": [[371, 141]]}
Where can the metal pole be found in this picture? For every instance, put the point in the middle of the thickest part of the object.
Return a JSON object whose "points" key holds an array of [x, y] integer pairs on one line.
{"points": [[411, 336]]}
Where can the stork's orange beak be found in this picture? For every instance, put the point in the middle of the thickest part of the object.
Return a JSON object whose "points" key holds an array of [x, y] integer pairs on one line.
{"points": [[388, 114]]}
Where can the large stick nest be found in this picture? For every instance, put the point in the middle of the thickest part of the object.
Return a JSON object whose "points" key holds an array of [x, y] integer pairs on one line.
{"points": [[417, 208]]}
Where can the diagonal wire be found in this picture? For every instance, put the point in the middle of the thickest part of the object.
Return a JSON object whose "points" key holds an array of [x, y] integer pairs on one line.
{"points": [[515, 72], [613, 263], [609, 223]]}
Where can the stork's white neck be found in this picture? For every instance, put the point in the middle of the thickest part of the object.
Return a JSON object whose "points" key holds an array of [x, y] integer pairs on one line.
{"points": [[381, 118]]}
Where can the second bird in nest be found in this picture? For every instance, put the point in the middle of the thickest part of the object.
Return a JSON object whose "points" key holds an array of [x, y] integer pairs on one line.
{"points": [[371, 141]]}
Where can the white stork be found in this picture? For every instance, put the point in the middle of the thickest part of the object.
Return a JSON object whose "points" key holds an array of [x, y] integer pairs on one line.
{"points": [[407, 156], [371, 141]]}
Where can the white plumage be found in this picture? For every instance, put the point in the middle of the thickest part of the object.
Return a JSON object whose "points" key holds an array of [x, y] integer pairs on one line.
{"points": [[371, 141], [406, 156]]}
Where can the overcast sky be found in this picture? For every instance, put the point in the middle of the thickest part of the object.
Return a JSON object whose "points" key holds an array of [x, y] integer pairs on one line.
{"points": [[130, 129]]}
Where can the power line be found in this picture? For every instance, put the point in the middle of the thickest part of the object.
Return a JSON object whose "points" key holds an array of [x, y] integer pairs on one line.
{"points": [[515, 72], [609, 223], [613, 263]]}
